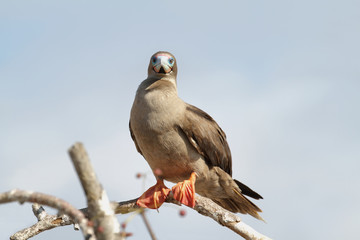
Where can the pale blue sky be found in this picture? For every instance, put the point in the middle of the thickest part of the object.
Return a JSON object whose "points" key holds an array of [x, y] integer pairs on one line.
{"points": [[281, 78]]}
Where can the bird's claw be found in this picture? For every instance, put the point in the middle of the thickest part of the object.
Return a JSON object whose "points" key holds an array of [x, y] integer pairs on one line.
{"points": [[154, 197], [184, 192]]}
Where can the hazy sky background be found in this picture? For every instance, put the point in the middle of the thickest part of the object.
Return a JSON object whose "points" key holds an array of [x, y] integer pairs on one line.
{"points": [[282, 79]]}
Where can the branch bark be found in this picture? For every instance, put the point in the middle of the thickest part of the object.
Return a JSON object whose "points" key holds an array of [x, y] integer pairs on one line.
{"points": [[64, 207], [228, 219], [100, 211]]}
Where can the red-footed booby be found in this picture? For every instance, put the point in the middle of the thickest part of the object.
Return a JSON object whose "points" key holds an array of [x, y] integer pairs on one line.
{"points": [[183, 144]]}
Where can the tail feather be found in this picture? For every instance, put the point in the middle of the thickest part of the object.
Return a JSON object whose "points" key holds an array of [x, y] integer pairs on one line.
{"points": [[228, 193], [240, 204], [248, 191]]}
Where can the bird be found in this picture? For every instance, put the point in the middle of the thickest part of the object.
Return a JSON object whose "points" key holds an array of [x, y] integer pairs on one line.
{"points": [[183, 144]]}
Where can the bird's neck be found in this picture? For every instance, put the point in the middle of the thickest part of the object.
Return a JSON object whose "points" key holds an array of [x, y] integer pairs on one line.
{"points": [[165, 84], [157, 94]]}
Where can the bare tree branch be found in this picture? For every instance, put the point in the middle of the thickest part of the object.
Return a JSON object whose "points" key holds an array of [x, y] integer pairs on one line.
{"points": [[203, 205], [228, 219], [207, 208], [100, 211], [47, 223]]}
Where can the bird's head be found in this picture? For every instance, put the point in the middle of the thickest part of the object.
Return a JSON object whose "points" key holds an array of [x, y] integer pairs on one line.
{"points": [[162, 64]]}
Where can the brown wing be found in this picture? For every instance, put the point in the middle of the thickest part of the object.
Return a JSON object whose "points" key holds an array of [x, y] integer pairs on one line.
{"points": [[207, 138], [134, 139]]}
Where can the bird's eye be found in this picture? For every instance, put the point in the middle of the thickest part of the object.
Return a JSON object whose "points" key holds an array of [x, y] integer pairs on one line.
{"points": [[153, 60], [171, 60]]}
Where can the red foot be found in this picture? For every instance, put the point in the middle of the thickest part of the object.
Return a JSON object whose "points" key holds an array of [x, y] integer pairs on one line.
{"points": [[154, 197], [184, 191]]}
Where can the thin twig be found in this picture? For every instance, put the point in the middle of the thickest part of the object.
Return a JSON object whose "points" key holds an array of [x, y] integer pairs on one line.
{"points": [[148, 226]]}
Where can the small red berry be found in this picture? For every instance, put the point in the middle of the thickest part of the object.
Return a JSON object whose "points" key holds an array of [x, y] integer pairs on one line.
{"points": [[182, 213], [123, 225], [138, 175]]}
